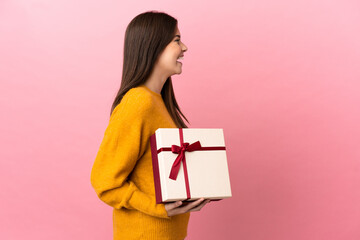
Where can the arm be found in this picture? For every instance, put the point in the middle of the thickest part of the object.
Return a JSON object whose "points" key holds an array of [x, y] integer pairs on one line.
{"points": [[123, 143]]}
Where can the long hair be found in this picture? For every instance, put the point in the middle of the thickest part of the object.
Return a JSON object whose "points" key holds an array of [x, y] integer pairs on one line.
{"points": [[146, 37]]}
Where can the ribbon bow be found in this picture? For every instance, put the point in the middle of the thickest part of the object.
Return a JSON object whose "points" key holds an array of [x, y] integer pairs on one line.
{"points": [[181, 157]]}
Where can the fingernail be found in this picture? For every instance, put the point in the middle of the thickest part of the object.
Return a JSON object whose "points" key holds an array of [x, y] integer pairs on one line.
{"points": [[180, 202]]}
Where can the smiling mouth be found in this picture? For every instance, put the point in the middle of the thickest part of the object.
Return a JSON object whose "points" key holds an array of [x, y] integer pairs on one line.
{"points": [[181, 58]]}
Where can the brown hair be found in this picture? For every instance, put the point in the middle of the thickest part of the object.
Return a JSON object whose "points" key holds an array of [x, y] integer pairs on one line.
{"points": [[146, 37]]}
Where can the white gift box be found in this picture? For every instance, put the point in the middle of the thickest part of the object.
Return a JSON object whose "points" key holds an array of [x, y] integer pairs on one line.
{"points": [[202, 169]]}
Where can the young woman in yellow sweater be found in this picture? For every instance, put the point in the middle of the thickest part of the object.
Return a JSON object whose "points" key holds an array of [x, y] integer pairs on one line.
{"points": [[122, 174]]}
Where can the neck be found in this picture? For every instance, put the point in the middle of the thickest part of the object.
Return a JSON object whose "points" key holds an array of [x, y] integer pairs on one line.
{"points": [[156, 82]]}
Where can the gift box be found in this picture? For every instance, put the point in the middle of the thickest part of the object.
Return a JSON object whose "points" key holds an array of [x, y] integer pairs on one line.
{"points": [[189, 163]]}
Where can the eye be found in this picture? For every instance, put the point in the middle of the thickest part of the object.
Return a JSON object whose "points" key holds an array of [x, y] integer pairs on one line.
{"points": [[178, 40]]}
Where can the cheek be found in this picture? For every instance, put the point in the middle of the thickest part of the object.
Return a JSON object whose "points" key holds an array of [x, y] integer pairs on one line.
{"points": [[174, 51], [169, 57], [168, 60]]}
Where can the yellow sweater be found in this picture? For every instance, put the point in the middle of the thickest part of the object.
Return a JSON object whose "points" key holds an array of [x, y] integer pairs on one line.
{"points": [[122, 174]]}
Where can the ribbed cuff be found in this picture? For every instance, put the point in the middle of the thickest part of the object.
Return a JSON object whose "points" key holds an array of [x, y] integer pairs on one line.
{"points": [[147, 203]]}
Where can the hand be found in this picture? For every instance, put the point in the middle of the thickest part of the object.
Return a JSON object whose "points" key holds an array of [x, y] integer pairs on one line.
{"points": [[177, 208]]}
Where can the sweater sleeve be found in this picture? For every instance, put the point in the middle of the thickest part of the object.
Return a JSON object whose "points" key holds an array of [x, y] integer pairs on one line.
{"points": [[123, 144]]}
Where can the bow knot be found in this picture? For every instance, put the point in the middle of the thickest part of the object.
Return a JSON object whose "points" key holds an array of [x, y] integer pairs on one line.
{"points": [[181, 157]]}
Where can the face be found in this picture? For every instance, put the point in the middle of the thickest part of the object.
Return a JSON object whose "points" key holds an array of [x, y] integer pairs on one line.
{"points": [[169, 63]]}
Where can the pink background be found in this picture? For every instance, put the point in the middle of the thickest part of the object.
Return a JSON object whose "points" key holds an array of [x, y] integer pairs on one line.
{"points": [[280, 77]]}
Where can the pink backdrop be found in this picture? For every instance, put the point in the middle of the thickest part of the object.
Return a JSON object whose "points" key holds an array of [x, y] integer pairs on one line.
{"points": [[280, 77]]}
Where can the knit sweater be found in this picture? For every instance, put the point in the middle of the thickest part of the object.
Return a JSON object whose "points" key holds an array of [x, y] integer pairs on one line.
{"points": [[122, 174]]}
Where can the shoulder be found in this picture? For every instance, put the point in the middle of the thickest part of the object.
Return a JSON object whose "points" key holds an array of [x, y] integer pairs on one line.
{"points": [[136, 101], [138, 93]]}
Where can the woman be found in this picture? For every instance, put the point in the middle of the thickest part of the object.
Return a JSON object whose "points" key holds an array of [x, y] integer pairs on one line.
{"points": [[122, 174]]}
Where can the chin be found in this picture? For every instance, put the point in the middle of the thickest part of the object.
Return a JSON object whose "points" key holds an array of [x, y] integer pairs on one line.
{"points": [[177, 71], [180, 69]]}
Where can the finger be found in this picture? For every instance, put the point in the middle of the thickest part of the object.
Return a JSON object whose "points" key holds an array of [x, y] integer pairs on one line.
{"points": [[198, 208], [170, 206], [193, 204], [175, 205], [202, 204]]}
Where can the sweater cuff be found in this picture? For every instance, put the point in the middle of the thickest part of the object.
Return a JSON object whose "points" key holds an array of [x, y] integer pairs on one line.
{"points": [[147, 204]]}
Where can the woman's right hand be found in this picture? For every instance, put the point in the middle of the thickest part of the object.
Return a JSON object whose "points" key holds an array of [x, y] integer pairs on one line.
{"points": [[177, 208]]}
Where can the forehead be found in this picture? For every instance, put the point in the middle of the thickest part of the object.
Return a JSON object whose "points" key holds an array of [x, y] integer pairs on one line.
{"points": [[177, 33]]}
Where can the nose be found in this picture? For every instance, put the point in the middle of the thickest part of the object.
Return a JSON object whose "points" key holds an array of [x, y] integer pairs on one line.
{"points": [[184, 48]]}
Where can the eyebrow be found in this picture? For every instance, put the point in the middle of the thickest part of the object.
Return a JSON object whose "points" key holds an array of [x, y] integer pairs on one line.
{"points": [[177, 36]]}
